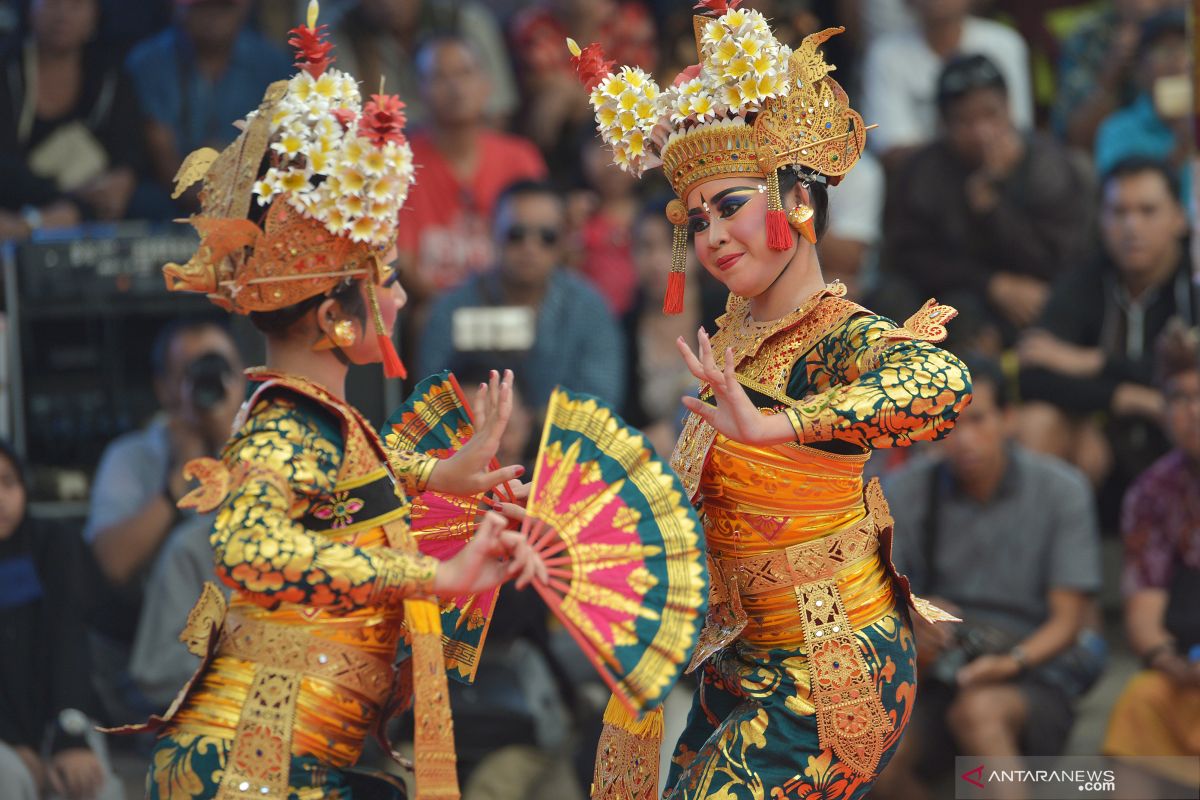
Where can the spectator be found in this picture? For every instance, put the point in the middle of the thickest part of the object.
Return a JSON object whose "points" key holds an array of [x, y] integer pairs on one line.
{"points": [[45, 695], [1158, 123], [1092, 350], [528, 313], [1096, 71], [1158, 714], [198, 382], [443, 233], [656, 376], [556, 108], [848, 248], [1007, 540], [124, 23], [158, 662], [69, 124], [379, 40], [208, 67], [986, 216], [606, 231], [900, 73]]}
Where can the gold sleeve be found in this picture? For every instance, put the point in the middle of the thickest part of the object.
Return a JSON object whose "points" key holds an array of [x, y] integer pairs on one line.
{"points": [[280, 463], [890, 388]]}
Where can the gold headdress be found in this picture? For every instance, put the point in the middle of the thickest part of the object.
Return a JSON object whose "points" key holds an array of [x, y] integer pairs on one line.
{"points": [[750, 106], [337, 173]]}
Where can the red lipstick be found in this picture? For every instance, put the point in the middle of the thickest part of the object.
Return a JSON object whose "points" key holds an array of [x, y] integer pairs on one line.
{"points": [[725, 262]]}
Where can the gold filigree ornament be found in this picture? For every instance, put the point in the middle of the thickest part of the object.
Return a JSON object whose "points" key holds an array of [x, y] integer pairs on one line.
{"points": [[750, 106], [214, 485]]}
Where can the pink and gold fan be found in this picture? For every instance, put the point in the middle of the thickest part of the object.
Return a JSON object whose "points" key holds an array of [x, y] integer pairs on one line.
{"points": [[623, 547], [436, 420]]}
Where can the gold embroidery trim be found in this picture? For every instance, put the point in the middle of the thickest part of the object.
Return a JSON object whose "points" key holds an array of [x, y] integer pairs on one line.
{"points": [[732, 578], [260, 758], [804, 562], [851, 719], [765, 358], [433, 735], [412, 469], [627, 755], [280, 647], [927, 325]]}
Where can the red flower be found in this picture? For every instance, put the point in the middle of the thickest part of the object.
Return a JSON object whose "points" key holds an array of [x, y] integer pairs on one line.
{"points": [[683, 77], [312, 51], [591, 66], [382, 120], [717, 7], [344, 116]]}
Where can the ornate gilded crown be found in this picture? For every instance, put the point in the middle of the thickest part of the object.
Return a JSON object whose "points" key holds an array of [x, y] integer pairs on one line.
{"points": [[337, 173], [750, 106]]}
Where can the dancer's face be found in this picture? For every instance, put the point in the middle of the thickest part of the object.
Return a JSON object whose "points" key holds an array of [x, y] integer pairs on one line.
{"points": [[727, 220]]}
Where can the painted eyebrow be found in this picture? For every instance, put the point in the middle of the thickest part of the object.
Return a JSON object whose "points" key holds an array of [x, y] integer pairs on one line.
{"points": [[719, 196]]}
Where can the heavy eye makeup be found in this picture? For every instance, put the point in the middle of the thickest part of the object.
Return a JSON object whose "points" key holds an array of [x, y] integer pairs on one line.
{"points": [[727, 203]]}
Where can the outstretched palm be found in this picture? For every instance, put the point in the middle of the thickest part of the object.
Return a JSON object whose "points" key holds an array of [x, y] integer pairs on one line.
{"points": [[469, 471], [734, 415]]}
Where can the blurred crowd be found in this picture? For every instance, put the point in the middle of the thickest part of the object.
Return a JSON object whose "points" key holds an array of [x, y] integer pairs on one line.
{"points": [[1031, 167]]}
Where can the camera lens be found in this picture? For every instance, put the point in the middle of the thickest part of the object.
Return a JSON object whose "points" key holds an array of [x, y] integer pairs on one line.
{"points": [[206, 376]]}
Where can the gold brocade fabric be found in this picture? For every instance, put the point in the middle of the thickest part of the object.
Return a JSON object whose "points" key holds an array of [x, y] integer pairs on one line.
{"points": [[760, 500], [331, 721], [312, 533]]}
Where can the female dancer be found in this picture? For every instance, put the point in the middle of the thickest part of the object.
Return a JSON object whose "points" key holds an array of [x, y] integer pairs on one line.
{"points": [[807, 658], [312, 533]]}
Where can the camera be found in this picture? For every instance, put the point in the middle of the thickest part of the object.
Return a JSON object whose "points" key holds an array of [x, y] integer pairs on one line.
{"points": [[970, 642], [206, 380]]}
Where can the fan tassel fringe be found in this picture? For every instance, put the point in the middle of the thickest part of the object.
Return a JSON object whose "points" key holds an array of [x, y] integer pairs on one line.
{"points": [[627, 756]]}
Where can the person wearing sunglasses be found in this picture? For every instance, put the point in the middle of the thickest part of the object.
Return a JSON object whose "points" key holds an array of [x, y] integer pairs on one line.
{"points": [[528, 312]]}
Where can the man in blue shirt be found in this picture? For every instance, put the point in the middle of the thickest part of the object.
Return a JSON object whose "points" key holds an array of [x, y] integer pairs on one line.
{"points": [[207, 68], [1147, 126], [528, 313]]}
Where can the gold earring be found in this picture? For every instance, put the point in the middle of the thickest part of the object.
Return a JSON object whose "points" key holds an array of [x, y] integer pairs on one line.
{"points": [[801, 220], [344, 334]]}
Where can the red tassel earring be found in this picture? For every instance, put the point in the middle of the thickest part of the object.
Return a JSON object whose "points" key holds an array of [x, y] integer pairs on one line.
{"points": [[779, 233], [393, 367], [677, 279]]}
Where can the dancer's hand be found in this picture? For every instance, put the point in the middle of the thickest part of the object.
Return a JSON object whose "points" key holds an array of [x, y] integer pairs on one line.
{"points": [[492, 557], [513, 510], [468, 471], [734, 416]]}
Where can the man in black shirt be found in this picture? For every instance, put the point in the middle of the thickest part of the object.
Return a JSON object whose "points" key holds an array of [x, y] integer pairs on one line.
{"points": [[1087, 367]]}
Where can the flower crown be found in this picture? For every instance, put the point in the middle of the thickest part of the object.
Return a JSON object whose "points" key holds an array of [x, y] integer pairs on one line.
{"points": [[338, 172], [750, 105]]}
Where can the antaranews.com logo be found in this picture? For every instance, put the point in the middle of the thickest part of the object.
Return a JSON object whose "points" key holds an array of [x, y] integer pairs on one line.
{"points": [[1069, 777]]}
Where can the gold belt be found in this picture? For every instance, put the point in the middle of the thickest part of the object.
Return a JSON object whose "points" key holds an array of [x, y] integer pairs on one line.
{"points": [[260, 758], [798, 563], [280, 647]]}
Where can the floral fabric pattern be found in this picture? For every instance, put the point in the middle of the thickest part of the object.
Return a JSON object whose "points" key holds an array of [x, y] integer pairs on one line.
{"points": [[752, 733], [914, 394], [262, 552]]}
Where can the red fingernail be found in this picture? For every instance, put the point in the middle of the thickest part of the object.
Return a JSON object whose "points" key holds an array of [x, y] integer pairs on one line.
{"points": [[520, 471]]}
